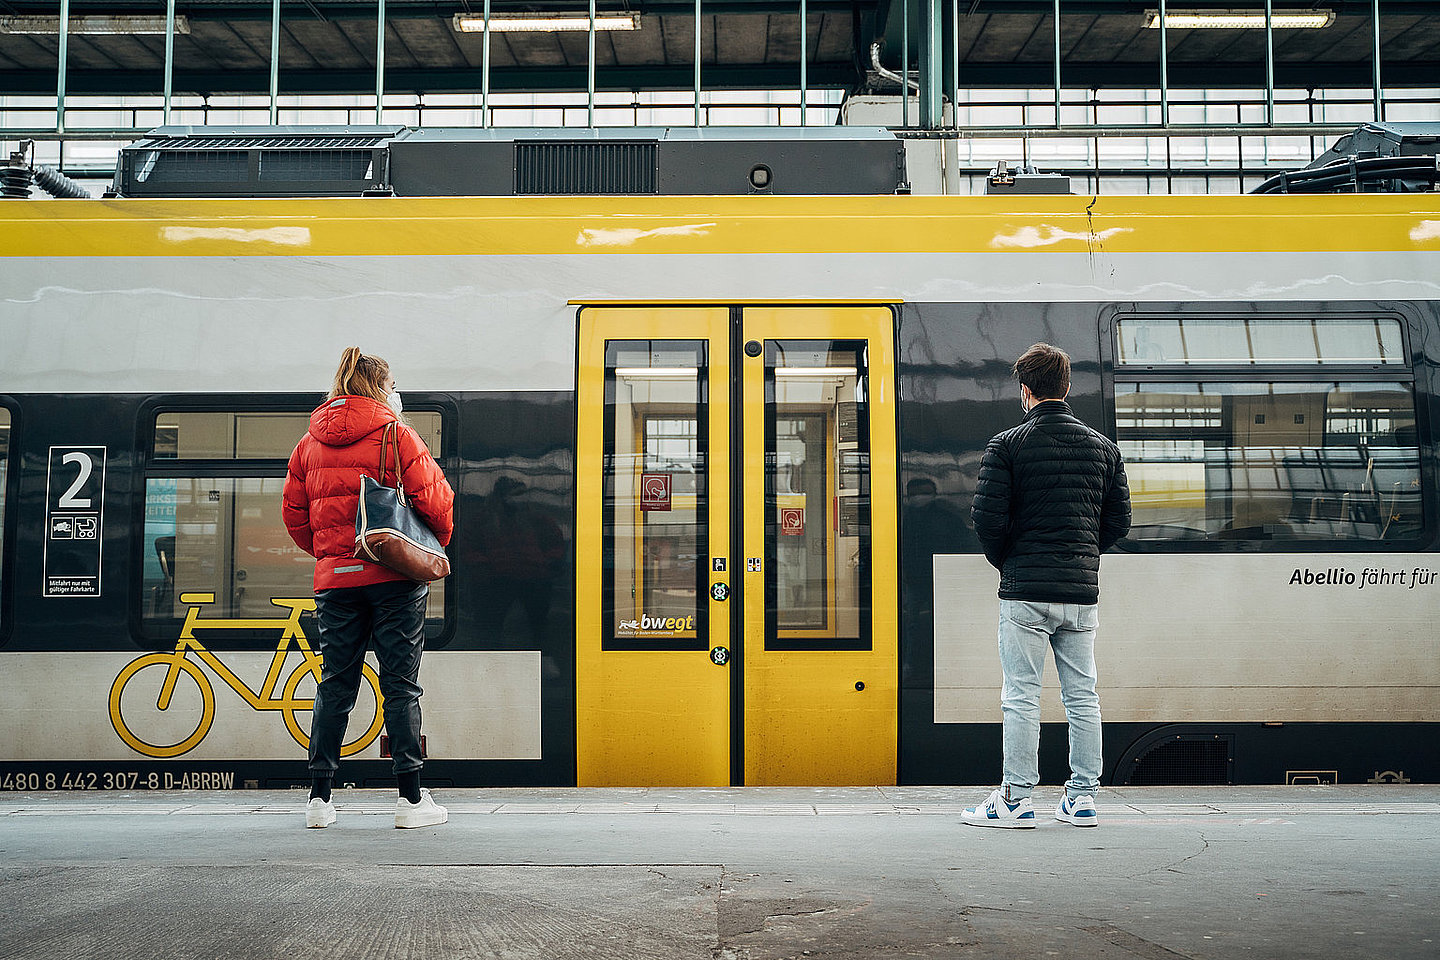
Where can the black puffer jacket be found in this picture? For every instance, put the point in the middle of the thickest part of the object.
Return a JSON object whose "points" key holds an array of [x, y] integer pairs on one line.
{"points": [[1052, 497]]}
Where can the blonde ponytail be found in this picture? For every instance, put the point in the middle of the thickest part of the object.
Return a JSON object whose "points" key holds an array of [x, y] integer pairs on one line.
{"points": [[360, 375]]}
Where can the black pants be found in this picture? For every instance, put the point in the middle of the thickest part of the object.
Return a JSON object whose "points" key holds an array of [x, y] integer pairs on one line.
{"points": [[393, 615]]}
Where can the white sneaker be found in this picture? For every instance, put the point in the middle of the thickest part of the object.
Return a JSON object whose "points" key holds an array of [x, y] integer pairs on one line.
{"points": [[1080, 811], [426, 813], [319, 813], [996, 811]]}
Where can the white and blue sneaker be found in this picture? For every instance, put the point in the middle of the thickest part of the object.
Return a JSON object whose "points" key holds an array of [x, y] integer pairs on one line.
{"points": [[997, 811], [1079, 811]]}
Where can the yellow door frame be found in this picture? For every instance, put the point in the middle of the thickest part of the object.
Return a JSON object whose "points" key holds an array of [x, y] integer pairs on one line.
{"points": [[823, 716], [667, 717], [649, 717]]}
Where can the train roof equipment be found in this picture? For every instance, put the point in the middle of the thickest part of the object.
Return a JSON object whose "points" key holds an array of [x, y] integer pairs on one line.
{"points": [[293, 161], [1024, 178], [21, 172], [1374, 158]]}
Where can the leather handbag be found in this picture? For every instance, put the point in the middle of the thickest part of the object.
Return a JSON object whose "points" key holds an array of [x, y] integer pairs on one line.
{"points": [[389, 531]]}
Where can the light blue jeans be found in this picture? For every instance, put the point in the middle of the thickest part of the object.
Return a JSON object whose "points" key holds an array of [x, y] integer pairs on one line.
{"points": [[1027, 630]]}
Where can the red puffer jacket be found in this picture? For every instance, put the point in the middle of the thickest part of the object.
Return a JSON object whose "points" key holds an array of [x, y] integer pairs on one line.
{"points": [[322, 487]]}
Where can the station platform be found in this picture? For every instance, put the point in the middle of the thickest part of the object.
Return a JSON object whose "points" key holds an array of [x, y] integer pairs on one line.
{"points": [[723, 874]]}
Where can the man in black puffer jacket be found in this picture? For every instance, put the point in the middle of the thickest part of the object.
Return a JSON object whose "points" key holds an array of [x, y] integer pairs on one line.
{"points": [[1051, 498]]}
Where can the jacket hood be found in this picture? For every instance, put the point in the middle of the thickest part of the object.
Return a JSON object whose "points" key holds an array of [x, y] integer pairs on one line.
{"points": [[344, 420]]}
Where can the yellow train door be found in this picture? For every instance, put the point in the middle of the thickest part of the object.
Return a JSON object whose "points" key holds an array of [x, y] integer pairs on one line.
{"points": [[736, 546]]}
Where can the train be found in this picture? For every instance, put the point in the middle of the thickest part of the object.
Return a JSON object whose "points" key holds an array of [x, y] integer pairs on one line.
{"points": [[713, 459]]}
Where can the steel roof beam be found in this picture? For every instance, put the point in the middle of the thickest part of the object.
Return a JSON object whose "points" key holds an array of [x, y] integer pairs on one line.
{"points": [[679, 77], [364, 9], [734, 76], [400, 10]]}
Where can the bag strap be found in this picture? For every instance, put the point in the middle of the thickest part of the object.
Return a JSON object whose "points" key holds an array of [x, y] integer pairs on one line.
{"points": [[391, 435], [384, 439]]}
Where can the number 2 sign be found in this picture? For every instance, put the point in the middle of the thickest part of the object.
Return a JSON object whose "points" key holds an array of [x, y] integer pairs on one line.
{"points": [[74, 520]]}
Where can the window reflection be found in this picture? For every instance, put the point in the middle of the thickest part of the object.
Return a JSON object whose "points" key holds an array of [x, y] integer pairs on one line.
{"points": [[655, 544], [208, 533], [1271, 461], [1252, 339], [205, 532], [817, 494], [224, 435]]}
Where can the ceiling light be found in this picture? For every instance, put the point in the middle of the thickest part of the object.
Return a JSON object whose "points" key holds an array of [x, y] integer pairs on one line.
{"points": [[657, 373], [1240, 19], [543, 23], [816, 372], [114, 25]]}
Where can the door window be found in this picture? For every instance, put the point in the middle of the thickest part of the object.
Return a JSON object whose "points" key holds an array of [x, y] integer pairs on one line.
{"points": [[817, 495], [655, 536]]}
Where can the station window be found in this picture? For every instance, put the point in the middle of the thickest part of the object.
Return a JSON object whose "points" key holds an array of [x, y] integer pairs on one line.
{"points": [[213, 489], [1272, 455]]}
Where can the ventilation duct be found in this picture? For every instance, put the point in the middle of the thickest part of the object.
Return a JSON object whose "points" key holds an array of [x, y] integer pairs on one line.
{"points": [[396, 161]]}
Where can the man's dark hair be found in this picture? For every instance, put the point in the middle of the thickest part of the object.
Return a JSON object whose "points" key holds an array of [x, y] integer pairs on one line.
{"points": [[1045, 370]]}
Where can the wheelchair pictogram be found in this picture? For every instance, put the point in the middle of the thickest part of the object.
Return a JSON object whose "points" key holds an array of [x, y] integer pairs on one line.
{"points": [[178, 662]]}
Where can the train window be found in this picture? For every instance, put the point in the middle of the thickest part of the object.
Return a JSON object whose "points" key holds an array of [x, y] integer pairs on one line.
{"points": [[251, 435], [817, 491], [655, 538], [227, 436], [212, 514], [1165, 340], [1270, 460], [223, 536]]}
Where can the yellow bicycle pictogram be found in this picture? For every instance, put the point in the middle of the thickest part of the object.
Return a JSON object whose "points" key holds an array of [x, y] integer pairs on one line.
{"points": [[178, 662]]}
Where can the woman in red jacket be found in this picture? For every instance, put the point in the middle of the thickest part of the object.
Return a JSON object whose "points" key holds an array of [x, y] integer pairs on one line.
{"points": [[358, 601]]}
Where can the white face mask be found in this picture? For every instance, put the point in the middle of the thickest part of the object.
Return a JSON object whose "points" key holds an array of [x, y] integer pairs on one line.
{"points": [[393, 399]]}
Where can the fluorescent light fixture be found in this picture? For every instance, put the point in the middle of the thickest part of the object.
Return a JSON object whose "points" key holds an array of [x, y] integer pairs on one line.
{"points": [[543, 22], [657, 373], [815, 371], [115, 25], [1240, 19]]}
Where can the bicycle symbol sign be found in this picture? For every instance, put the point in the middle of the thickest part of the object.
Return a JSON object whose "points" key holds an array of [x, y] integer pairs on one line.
{"points": [[178, 662]]}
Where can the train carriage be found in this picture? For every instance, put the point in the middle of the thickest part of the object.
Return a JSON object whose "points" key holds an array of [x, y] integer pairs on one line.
{"points": [[713, 459]]}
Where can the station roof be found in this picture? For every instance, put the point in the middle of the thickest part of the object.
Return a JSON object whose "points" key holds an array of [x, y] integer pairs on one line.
{"points": [[329, 46]]}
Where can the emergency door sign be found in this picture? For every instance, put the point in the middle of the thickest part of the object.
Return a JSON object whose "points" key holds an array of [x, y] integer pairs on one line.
{"points": [[74, 520]]}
